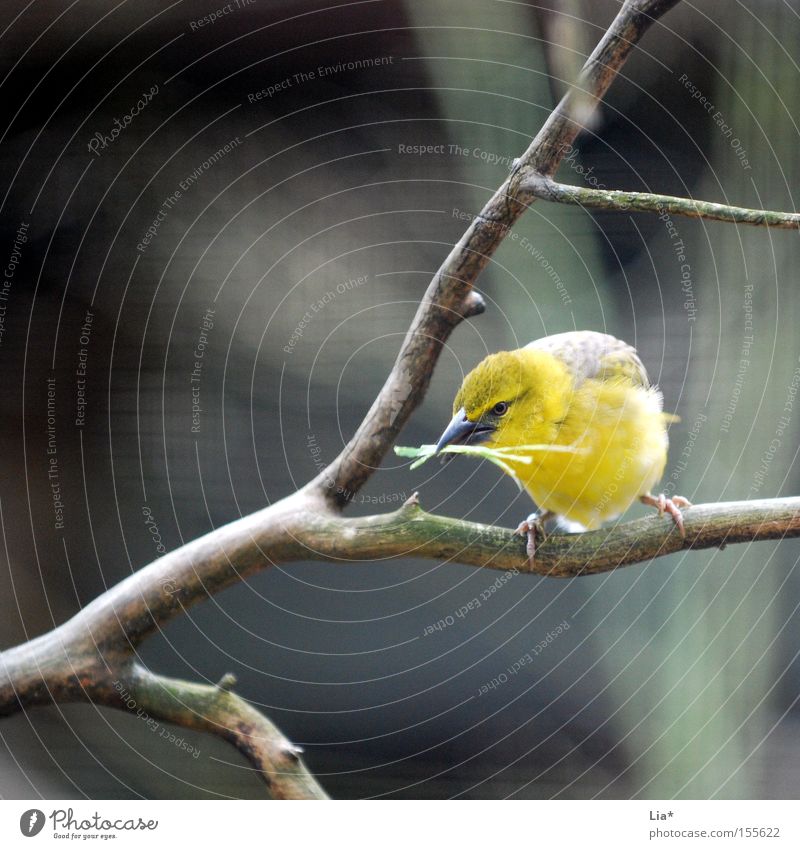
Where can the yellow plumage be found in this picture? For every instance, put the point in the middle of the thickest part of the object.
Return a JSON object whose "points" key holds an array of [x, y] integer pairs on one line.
{"points": [[583, 390]]}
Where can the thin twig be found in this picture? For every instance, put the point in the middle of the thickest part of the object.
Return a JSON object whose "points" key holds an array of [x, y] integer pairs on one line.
{"points": [[217, 710], [546, 189]]}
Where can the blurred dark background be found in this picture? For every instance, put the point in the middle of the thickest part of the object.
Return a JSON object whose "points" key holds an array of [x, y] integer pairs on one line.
{"points": [[274, 176]]}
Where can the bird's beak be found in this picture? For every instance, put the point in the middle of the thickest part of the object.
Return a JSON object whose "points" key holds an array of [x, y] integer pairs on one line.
{"points": [[461, 431]]}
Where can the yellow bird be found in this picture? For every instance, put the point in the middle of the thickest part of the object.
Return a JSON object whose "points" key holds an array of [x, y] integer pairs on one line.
{"points": [[593, 427]]}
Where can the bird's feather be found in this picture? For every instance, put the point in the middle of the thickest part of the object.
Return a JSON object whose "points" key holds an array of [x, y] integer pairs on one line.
{"points": [[591, 355]]}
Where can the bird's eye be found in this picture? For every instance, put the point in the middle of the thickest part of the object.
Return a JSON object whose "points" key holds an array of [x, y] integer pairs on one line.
{"points": [[500, 409]]}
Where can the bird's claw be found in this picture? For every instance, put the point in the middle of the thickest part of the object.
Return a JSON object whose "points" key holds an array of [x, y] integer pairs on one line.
{"points": [[530, 528], [671, 506]]}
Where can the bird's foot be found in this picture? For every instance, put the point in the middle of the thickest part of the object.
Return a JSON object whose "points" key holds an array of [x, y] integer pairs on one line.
{"points": [[672, 506], [531, 527]]}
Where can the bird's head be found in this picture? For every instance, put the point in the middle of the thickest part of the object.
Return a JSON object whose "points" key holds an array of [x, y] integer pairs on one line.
{"points": [[510, 398]]}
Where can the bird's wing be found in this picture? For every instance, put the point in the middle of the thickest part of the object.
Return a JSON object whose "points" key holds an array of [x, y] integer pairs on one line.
{"points": [[588, 354]]}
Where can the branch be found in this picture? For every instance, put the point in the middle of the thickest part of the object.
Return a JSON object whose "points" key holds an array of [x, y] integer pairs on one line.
{"points": [[83, 658], [450, 297], [546, 189], [215, 709], [411, 532]]}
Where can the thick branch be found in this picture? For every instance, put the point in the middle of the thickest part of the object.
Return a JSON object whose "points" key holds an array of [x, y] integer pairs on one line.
{"points": [[546, 189], [83, 658], [83, 653], [450, 297], [411, 532]]}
